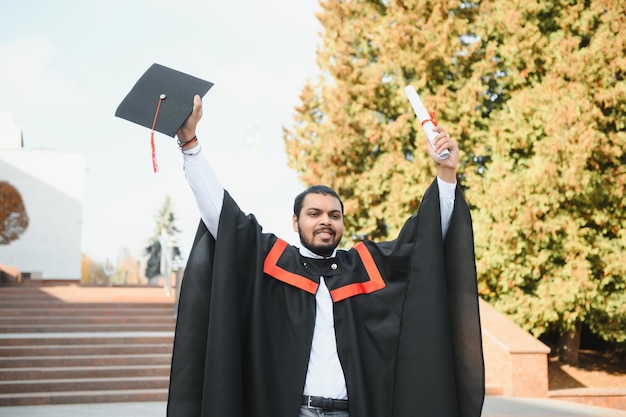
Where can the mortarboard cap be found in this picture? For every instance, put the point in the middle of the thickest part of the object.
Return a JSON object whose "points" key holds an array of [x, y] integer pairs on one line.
{"points": [[162, 99]]}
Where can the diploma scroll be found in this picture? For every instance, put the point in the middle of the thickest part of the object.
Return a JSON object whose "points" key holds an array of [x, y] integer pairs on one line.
{"points": [[424, 117]]}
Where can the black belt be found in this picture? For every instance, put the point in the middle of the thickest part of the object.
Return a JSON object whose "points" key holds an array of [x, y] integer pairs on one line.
{"points": [[322, 403]]}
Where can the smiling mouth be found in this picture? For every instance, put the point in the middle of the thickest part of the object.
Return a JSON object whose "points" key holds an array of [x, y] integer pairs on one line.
{"points": [[327, 232]]}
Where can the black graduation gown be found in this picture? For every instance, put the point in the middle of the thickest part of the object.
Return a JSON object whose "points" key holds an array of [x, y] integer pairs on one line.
{"points": [[406, 321]]}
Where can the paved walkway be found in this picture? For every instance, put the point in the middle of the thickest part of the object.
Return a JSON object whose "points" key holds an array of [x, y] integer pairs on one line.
{"points": [[494, 407]]}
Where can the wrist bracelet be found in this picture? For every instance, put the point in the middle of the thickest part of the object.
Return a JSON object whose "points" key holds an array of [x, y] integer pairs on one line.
{"points": [[181, 145]]}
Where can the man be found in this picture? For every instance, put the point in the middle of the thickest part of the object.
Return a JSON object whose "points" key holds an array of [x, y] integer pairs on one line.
{"points": [[386, 329]]}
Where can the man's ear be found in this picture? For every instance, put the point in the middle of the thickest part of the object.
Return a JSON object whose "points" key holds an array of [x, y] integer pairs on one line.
{"points": [[295, 224]]}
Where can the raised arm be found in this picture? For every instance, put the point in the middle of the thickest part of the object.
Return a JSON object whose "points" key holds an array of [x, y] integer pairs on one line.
{"points": [[446, 173], [204, 184]]}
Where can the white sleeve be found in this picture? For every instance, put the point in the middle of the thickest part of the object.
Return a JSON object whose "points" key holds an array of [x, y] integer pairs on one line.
{"points": [[446, 203], [205, 186]]}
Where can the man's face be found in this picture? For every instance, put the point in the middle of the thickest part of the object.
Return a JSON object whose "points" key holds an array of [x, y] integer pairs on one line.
{"points": [[320, 224]]}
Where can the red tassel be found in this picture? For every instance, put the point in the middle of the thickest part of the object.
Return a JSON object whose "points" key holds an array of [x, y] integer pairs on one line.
{"points": [[155, 165]]}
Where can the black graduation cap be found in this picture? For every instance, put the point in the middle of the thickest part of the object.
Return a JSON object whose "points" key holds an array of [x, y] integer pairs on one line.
{"points": [[162, 99]]}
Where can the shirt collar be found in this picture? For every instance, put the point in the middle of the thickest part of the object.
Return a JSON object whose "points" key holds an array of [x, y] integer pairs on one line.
{"points": [[309, 254]]}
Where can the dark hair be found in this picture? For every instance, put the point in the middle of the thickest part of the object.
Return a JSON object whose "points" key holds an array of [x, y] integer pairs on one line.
{"points": [[314, 189]]}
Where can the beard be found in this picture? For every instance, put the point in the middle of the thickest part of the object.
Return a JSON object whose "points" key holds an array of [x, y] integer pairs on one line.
{"points": [[324, 249]]}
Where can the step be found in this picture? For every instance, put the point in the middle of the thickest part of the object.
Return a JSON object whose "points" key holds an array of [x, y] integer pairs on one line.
{"points": [[73, 344], [86, 338], [613, 397], [79, 310], [17, 302], [91, 318], [39, 328], [82, 384], [61, 372], [493, 389], [92, 292], [82, 397], [83, 349], [85, 360]]}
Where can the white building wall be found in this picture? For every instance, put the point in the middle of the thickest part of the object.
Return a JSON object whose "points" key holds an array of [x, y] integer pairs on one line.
{"points": [[52, 186], [10, 133]]}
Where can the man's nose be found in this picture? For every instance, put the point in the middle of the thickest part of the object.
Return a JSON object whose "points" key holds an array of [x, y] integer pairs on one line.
{"points": [[325, 219]]}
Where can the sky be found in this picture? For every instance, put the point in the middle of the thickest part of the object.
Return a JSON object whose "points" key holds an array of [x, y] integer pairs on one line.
{"points": [[65, 66]]}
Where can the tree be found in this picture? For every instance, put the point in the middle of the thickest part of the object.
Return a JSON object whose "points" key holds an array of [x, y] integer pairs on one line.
{"points": [[13, 217], [354, 129], [534, 92], [128, 271], [165, 228], [550, 229], [125, 272], [92, 272]]}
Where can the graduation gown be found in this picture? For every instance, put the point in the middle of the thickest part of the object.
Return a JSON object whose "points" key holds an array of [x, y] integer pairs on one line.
{"points": [[405, 311]]}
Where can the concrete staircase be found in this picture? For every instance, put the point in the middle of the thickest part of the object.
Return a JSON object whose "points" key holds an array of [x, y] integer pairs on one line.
{"points": [[65, 344], [71, 344]]}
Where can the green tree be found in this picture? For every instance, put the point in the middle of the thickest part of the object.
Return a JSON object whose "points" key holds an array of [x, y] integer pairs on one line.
{"points": [[535, 94], [165, 228], [550, 229]]}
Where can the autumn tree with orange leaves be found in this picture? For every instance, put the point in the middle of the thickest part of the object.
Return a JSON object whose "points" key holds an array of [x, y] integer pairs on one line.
{"points": [[534, 93], [13, 217]]}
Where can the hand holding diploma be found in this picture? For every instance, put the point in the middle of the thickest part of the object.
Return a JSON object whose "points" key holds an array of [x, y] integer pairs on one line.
{"points": [[441, 147], [424, 117]]}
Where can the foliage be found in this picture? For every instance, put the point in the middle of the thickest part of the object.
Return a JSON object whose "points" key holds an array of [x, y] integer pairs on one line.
{"points": [[550, 229], [153, 264], [165, 228], [125, 272], [13, 217], [92, 272], [165, 219], [534, 92], [355, 130]]}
